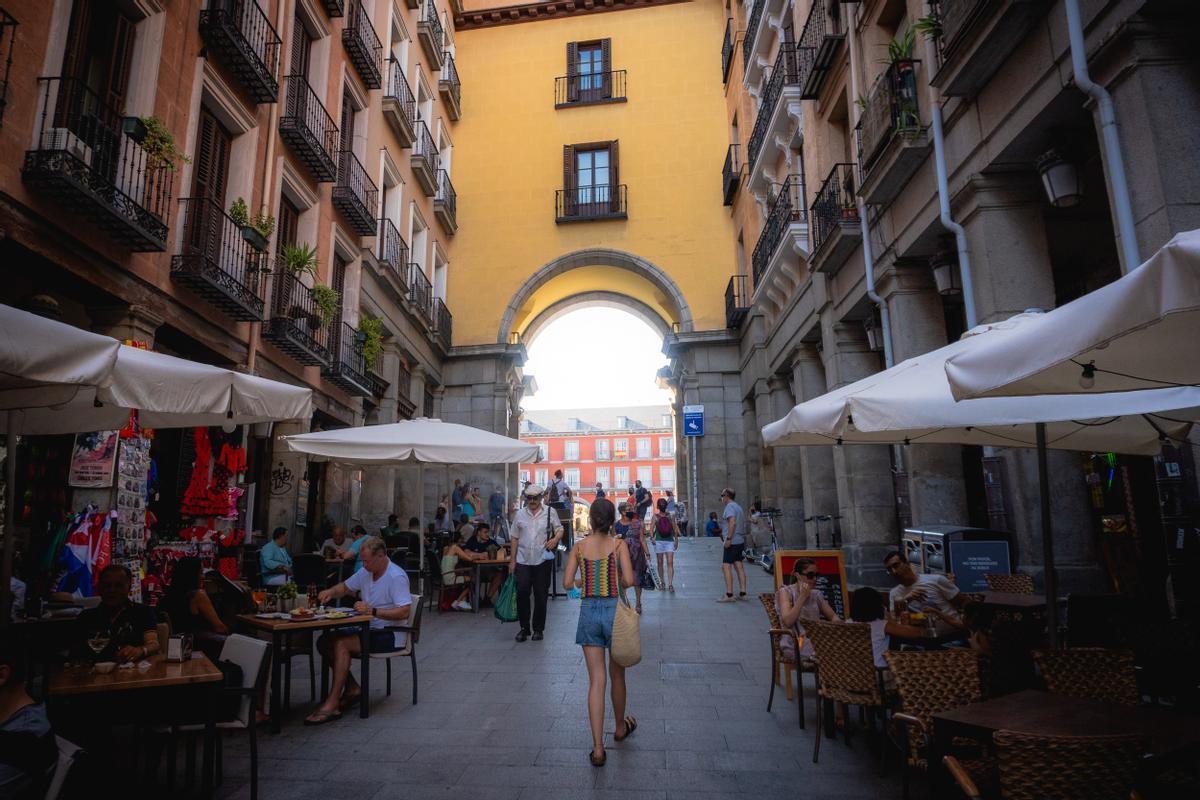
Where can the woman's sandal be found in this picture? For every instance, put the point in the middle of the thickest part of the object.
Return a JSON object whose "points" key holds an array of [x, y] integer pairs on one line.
{"points": [[321, 717], [639, 608], [672, 588], [598, 762], [630, 727]]}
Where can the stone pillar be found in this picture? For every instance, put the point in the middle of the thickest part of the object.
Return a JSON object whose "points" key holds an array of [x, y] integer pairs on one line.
{"points": [[136, 322], [768, 484], [817, 474], [866, 496], [286, 484], [788, 470], [379, 484], [935, 473], [752, 438]]}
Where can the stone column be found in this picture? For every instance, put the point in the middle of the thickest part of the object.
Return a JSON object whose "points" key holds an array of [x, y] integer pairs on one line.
{"points": [[286, 483], [752, 439], [818, 477], [768, 484], [866, 496], [935, 472], [788, 470], [135, 321], [380, 484]]}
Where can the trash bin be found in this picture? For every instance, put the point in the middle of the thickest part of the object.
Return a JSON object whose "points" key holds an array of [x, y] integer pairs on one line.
{"points": [[966, 553]]}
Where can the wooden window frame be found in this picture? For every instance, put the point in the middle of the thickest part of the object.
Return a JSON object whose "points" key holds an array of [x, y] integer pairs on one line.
{"points": [[572, 209], [576, 94]]}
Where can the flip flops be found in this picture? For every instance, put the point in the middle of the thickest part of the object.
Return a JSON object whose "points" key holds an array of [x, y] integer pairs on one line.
{"points": [[630, 727], [321, 717], [598, 762]]}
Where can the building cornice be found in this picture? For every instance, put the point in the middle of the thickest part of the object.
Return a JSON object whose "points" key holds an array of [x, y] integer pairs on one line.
{"points": [[548, 9]]}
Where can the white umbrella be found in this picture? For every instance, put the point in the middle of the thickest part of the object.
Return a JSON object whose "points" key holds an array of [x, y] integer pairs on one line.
{"points": [[1139, 332], [911, 402], [42, 362], [421, 441]]}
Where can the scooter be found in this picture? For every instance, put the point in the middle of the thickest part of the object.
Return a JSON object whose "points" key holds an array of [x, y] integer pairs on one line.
{"points": [[766, 559], [835, 540]]}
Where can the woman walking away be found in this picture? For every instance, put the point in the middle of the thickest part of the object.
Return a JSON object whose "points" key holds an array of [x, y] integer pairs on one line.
{"points": [[630, 530], [666, 541], [600, 559]]}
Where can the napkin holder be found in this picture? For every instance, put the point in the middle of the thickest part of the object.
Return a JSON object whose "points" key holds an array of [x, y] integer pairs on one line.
{"points": [[179, 648]]}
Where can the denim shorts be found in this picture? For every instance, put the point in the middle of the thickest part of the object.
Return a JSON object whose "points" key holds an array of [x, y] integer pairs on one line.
{"points": [[596, 621]]}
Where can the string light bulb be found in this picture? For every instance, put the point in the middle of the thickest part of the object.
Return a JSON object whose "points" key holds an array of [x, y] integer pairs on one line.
{"points": [[1087, 379]]}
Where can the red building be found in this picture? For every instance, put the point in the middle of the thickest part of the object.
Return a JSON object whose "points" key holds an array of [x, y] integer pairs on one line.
{"points": [[612, 446]]}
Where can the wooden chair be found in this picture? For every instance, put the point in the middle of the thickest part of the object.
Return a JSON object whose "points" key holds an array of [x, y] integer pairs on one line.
{"points": [[929, 682], [783, 664], [846, 673], [1031, 767], [1090, 672], [409, 651], [1017, 583]]}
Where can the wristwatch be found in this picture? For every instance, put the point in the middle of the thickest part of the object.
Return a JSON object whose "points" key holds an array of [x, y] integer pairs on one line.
{"points": [[373, 612]]}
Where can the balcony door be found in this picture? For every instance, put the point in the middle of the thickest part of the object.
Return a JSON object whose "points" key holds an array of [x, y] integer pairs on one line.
{"points": [[589, 71], [297, 90], [590, 180], [210, 176]]}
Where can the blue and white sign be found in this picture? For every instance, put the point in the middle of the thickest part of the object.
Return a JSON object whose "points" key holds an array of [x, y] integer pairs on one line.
{"points": [[693, 420]]}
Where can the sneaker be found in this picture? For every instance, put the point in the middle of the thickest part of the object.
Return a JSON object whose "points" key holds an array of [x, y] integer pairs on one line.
{"points": [[522, 636], [461, 605], [741, 596], [725, 598]]}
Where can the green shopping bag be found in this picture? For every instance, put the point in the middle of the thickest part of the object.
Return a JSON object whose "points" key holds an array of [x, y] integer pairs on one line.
{"points": [[506, 601]]}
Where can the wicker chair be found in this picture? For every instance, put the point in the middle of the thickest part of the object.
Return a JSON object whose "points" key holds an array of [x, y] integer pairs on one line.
{"points": [[930, 682], [1031, 767], [846, 672], [1017, 583], [781, 662], [1090, 672]]}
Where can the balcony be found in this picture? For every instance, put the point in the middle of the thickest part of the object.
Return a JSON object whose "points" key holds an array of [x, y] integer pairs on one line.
{"points": [[425, 160], [295, 326], [737, 301], [592, 88], [242, 36], [763, 30], [393, 257], [399, 105], [835, 226], [443, 323], [405, 407], [892, 143], [217, 263], [978, 36], [822, 34], [348, 368], [731, 173], [8, 39], [585, 203], [727, 50], [431, 35], [420, 293], [308, 129], [355, 195], [779, 115], [752, 22], [445, 203], [450, 87], [335, 8], [363, 47], [85, 160], [785, 233]]}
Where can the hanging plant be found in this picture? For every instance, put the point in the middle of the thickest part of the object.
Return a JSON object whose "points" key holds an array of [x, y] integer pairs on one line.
{"points": [[300, 259], [159, 146], [239, 213], [370, 338], [929, 27], [328, 303], [900, 51]]}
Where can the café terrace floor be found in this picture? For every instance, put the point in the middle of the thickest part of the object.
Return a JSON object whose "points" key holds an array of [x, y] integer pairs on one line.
{"points": [[502, 720]]}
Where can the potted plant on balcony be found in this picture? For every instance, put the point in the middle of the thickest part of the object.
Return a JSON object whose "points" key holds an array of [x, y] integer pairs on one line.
{"points": [[300, 259], [328, 302], [929, 27], [134, 128], [900, 51], [256, 232], [159, 145], [369, 339]]}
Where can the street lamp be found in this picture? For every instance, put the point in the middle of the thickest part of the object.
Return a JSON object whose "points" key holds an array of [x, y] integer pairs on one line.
{"points": [[1060, 179], [945, 271]]}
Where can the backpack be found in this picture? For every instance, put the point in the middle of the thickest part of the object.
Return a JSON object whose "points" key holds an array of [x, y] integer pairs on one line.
{"points": [[663, 527], [554, 496]]}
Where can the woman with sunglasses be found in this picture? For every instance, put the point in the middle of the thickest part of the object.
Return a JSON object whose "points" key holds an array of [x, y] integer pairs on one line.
{"points": [[800, 599]]}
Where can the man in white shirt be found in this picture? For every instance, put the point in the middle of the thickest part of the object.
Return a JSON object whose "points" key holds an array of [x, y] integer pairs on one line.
{"points": [[535, 534], [930, 594], [383, 593]]}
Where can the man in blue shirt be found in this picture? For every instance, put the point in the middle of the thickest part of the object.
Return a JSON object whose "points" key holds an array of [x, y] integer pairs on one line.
{"points": [[734, 537], [496, 516], [275, 560]]}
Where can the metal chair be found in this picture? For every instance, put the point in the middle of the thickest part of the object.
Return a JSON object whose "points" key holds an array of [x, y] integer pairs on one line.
{"points": [[67, 753], [782, 664], [1016, 583], [1090, 672], [409, 650], [846, 673], [308, 569]]}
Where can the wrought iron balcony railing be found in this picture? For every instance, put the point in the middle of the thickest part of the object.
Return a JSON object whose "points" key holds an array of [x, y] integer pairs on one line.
{"points": [[399, 105], [307, 127], [591, 202], [822, 34], [296, 326], [751, 27], [335, 8], [8, 39], [892, 109], [405, 407], [788, 207], [91, 159], [445, 203], [834, 204], [956, 16], [241, 33], [216, 262], [425, 159], [348, 367], [363, 47], [727, 50], [731, 173], [355, 194], [737, 301], [432, 34], [590, 87], [443, 323], [450, 86], [786, 72], [420, 292], [393, 253]]}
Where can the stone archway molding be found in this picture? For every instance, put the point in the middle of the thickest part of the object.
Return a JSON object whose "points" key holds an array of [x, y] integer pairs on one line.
{"points": [[605, 299], [593, 257]]}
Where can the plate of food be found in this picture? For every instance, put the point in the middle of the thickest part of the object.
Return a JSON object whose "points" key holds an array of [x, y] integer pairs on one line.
{"points": [[337, 615], [302, 613]]}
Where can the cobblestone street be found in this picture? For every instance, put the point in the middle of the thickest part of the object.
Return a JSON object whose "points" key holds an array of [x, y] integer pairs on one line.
{"points": [[501, 720]]}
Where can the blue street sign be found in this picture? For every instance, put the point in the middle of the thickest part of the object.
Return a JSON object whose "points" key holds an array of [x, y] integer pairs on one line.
{"points": [[693, 420]]}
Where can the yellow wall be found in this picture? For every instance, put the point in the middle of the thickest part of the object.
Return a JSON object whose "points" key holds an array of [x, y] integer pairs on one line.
{"points": [[508, 162]]}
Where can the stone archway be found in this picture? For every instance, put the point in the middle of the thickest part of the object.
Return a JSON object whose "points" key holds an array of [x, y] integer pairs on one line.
{"points": [[598, 257], [603, 299]]}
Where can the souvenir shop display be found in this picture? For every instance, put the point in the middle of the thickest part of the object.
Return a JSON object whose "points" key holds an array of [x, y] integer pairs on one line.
{"points": [[162, 558]]}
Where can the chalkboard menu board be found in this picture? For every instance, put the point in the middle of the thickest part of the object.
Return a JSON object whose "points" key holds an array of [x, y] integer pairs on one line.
{"points": [[831, 574]]}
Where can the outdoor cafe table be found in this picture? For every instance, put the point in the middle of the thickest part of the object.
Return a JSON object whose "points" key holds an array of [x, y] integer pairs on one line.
{"points": [[477, 567], [1047, 714], [279, 628], [198, 672]]}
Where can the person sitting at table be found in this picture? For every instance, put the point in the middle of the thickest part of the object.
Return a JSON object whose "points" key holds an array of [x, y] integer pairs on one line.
{"points": [[452, 575], [191, 610], [384, 595], [392, 528], [485, 547], [28, 751], [931, 594], [465, 527], [335, 543], [358, 535], [130, 627], [799, 598], [866, 605], [275, 560]]}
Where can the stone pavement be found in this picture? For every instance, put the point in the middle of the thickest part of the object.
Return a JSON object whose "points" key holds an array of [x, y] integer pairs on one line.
{"points": [[502, 720]]}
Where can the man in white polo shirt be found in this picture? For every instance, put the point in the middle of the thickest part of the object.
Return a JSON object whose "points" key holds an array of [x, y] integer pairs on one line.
{"points": [[535, 534]]}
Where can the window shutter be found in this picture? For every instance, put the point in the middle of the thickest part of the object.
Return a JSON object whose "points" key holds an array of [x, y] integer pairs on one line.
{"points": [[81, 23], [606, 80], [614, 177], [568, 208], [122, 60], [572, 71]]}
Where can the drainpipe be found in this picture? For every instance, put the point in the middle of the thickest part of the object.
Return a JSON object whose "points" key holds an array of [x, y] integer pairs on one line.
{"points": [[943, 188], [1122, 205]]}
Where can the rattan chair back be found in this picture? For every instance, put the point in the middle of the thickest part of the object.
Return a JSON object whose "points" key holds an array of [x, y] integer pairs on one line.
{"points": [[1090, 672], [768, 601], [930, 682], [1034, 767], [845, 662], [1017, 583]]}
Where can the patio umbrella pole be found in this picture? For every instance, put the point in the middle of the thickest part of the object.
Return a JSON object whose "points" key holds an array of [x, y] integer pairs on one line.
{"points": [[10, 500], [1048, 579], [421, 526]]}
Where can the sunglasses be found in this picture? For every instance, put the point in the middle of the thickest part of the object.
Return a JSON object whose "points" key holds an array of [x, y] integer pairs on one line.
{"points": [[812, 576]]}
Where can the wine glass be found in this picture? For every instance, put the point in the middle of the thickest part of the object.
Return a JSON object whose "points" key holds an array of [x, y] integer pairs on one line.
{"points": [[98, 641]]}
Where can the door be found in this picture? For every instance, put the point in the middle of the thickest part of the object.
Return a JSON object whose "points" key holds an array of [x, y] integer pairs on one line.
{"points": [[593, 187], [297, 90], [209, 179]]}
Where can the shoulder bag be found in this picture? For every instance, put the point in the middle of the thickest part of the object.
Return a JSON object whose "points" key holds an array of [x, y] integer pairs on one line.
{"points": [[626, 648]]}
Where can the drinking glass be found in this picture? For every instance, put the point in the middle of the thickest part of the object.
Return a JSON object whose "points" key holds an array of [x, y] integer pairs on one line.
{"points": [[98, 641]]}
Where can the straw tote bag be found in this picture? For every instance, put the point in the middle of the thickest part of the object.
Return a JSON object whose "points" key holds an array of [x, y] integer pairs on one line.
{"points": [[626, 649]]}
